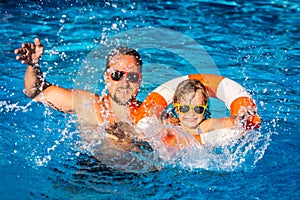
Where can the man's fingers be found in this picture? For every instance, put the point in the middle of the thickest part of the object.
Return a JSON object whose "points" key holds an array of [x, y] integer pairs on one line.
{"points": [[39, 51], [39, 47], [25, 48], [22, 57], [37, 42], [26, 45], [30, 51], [19, 51]]}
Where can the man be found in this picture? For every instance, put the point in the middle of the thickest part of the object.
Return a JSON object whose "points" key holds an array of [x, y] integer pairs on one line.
{"points": [[112, 111], [122, 76]]}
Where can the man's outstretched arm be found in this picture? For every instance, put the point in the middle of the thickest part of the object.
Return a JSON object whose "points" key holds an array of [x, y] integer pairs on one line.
{"points": [[36, 87]]}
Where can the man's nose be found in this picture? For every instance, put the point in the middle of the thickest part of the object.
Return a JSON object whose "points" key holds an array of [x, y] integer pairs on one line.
{"points": [[125, 80]]}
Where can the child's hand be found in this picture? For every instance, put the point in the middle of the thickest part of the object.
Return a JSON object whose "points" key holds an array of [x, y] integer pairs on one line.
{"points": [[248, 117]]}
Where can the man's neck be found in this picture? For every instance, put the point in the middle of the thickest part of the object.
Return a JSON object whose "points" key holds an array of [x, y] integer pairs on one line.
{"points": [[121, 112]]}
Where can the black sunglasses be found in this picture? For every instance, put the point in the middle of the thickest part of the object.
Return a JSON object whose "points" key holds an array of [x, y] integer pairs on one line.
{"points": [[132, 77], [199, 109]]}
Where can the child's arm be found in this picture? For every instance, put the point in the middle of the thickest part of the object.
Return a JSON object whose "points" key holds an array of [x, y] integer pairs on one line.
{"points": [[216, 123]]}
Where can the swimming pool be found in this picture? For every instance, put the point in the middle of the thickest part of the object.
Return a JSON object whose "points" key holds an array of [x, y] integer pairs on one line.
{"points": [[254, 43]]}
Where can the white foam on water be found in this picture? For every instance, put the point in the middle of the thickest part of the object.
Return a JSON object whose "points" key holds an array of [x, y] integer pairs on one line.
{"points": [[223, 149], [7, 106]]}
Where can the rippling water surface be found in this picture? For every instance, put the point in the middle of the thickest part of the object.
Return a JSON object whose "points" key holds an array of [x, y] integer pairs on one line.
{"points": [[256, 43]]}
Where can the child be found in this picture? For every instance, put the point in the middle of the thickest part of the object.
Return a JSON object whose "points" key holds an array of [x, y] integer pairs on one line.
{"points": [[191, 105]]}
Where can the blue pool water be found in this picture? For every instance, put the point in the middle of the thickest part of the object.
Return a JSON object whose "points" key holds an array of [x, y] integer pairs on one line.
{"points": [[255, 43]]}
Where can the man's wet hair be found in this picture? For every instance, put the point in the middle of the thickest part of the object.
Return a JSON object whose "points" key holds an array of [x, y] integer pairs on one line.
{"points": [[124, 51]]}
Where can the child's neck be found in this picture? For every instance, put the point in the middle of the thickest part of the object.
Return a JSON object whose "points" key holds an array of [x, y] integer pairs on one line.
{"points": [[192, 131]]}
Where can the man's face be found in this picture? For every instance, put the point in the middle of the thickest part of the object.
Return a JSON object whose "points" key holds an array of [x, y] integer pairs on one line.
{"points": [[126, 70]]}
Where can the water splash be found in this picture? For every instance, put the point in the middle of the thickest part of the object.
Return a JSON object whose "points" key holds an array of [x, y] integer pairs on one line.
{"points": [[224, 149], [7, 106], [31, 141]]}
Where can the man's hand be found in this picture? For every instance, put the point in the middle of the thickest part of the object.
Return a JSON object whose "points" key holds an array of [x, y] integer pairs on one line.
{"points": [[30, 53]]}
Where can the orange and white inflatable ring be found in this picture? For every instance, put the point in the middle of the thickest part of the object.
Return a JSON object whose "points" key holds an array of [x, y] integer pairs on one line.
{"points": [[231, 93]]}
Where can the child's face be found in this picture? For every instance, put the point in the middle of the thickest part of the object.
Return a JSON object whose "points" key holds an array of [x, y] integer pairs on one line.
{"points": [[191, 119]]}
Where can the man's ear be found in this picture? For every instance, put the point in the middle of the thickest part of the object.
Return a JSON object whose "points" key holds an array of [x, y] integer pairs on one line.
{"points": [[105, 76]]}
